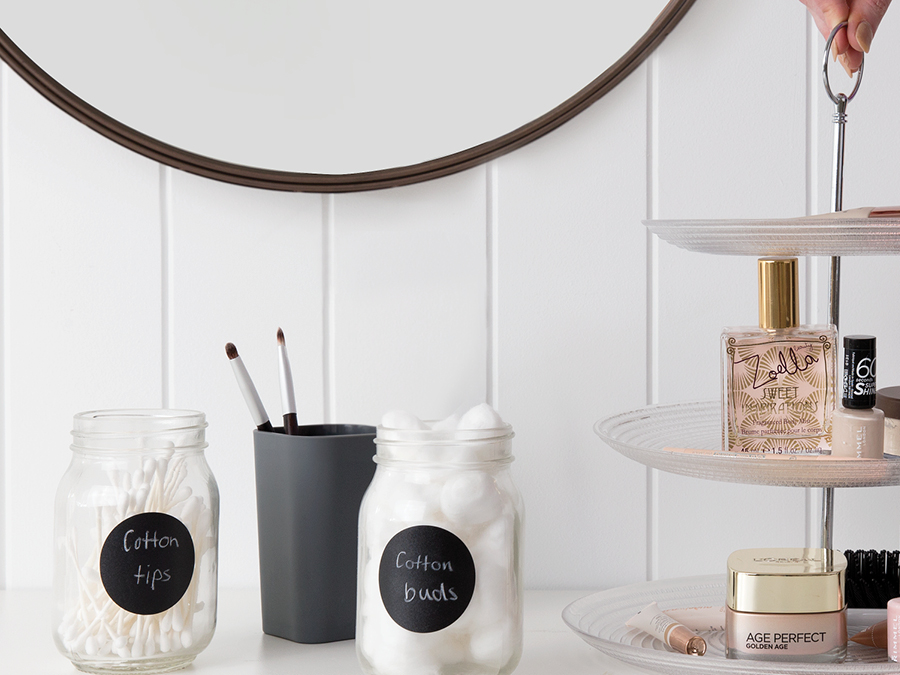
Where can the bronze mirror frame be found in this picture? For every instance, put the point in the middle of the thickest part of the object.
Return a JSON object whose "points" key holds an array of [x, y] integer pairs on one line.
{"points": [[353, 182]]}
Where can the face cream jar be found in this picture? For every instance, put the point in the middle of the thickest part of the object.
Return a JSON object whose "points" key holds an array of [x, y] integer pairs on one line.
{"points": [[786, 604]]}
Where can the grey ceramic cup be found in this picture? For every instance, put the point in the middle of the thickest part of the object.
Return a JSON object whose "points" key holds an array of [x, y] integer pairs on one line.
{"points": [[308, 491]]}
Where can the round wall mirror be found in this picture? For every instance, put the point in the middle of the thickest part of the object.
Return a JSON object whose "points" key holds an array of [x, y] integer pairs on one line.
{"points": [[327, 95]]}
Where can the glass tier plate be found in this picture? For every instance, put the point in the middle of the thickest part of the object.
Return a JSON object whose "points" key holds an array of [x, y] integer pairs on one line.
{"points": [[663, 436], [599, 619], [790, 236]]}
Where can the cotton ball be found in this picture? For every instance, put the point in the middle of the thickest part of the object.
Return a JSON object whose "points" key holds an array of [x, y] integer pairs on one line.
{"points": [[470, 498], [495, 544], [494, 600], [448, 423], [378, 531], [416, 503], [402, 652], [372, 606], [390, 651], [368, 638], [400, 419], [481, 417], [493, 646]]}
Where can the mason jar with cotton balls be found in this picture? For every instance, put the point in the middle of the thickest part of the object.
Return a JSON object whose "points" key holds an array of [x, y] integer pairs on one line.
{"points": [[440, 579], [136, 541]]}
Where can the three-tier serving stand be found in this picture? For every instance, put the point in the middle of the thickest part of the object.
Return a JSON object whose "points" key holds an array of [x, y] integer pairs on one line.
{"points": [[657, 435]]}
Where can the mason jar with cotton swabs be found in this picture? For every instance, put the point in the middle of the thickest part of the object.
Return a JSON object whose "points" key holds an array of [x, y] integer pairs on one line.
{"points": [[136, 542]]}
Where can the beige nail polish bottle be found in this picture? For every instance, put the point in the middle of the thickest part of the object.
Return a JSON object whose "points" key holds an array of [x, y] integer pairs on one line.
{"points": [[857, 426]]}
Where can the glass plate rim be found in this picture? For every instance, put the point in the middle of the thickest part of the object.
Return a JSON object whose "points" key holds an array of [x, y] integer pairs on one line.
{"points": [[734, 468], [785, 236], [667, 661]]}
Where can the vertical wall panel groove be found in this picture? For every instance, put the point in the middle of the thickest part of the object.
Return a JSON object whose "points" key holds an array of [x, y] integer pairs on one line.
{"points": [[167, 276], [329, 393], [4, 328], [492, 254]]}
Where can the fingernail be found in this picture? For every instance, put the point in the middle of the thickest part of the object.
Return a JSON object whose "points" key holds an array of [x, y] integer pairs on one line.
{"points": [[846, 64], [834, 53], [864, 36]]}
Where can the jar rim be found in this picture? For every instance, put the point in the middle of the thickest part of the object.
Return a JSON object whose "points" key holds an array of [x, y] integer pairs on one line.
{"points": [[387, 436], [441, 463], [107, 429], [444, 447]]}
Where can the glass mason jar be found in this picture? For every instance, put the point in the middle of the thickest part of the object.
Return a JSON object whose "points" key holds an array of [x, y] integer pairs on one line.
{"points": [[439, 575], [136, 542]]}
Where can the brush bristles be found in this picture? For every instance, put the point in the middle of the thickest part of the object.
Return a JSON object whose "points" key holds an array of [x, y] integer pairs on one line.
{"points": [[873, 578], [281, 337], [231, 350]]}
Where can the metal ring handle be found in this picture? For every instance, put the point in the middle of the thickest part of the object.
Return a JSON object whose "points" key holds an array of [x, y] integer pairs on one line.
{"points": [[831, 95]]}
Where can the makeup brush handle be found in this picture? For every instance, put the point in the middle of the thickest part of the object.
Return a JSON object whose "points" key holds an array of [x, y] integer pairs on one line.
{"points": [[290, 424]]}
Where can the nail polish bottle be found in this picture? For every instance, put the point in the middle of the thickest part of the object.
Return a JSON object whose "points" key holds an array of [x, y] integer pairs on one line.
{"points": [[887, 399], [778, 378], [858, 427]]}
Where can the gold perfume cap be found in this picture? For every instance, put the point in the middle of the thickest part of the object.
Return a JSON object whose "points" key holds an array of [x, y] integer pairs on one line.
{"points": [[779, 299], [786, 580]]}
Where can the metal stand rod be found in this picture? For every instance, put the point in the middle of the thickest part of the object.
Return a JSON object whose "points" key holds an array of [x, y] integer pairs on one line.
{"points": [[837, 190]]}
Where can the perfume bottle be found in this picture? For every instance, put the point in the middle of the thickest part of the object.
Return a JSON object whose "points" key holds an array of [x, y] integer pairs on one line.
{"points": [[778, 378], [858, 425]]}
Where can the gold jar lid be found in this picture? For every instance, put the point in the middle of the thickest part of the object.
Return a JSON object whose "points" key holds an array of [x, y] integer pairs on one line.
{"points": [[786, 580]]}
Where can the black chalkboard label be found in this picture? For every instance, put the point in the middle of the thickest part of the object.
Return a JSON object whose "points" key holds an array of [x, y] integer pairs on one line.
{"points": [[147, 562], [426, 578]]}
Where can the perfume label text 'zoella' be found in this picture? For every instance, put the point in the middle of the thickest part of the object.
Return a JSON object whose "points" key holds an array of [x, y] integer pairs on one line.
{"points": [[778, 391]]}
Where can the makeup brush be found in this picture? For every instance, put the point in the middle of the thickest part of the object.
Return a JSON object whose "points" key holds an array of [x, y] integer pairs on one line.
{"points": [[258, 412], [288, 404], [873, 578]]}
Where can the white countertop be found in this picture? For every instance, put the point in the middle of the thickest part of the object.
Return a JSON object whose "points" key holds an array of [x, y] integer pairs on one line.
{"points": [[239, 646]]}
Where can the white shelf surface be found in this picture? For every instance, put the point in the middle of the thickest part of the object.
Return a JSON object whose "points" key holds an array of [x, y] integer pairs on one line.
{"points": [[827, 236], [658, 436], [239, 646]]}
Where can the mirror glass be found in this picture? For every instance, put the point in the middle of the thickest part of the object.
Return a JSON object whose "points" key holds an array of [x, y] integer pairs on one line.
{"points": [[325, 86]]}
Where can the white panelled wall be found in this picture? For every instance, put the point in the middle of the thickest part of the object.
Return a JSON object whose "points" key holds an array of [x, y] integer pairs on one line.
{"points": [[529, 282]]}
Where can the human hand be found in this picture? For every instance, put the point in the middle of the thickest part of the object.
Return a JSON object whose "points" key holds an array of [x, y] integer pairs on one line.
{"points": [[862, 17]]}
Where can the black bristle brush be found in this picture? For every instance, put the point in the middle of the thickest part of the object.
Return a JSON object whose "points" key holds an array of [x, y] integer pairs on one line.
{"points": [[873, 578]]}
